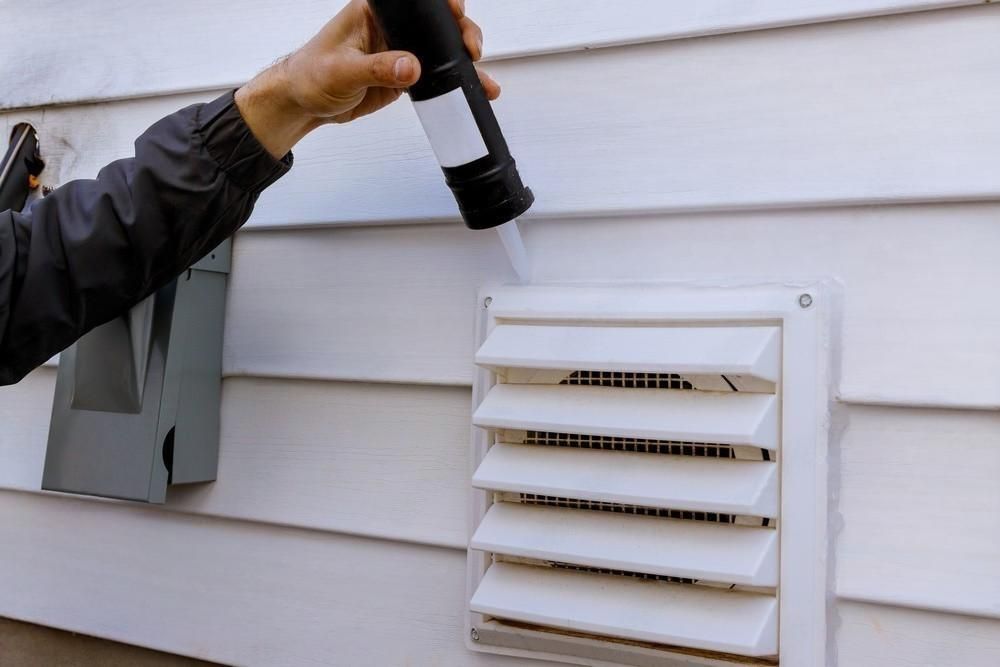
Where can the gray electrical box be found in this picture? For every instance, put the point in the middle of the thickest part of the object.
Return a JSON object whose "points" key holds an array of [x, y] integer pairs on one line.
{"points": [[136, 404]]}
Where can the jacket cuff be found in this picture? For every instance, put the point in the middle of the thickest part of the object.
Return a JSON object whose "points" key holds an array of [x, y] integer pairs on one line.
{"points": [[229, 141]]}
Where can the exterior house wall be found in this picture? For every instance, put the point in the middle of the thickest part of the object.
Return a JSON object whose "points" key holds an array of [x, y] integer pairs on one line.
{"points": [[718, 140]]}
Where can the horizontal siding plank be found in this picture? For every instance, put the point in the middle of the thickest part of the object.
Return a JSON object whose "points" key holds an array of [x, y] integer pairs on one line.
{"points": [[903, 322], [397, 304], [190, 46], [765, 122], [650, 545], [386, 461], [875, 636], [698, 484], [383, 461], [921, 508], [362, 304], [318, 456], [517, 28], [231, 592], [353, 303]]}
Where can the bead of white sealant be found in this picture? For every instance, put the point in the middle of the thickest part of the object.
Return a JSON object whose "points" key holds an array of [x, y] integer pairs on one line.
{"points": [[510, 235]]}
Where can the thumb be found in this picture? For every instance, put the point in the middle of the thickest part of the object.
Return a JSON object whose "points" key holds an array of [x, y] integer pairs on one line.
{"points": [[390, 69]]}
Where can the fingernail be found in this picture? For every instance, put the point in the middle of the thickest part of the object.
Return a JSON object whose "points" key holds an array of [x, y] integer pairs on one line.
{"points": [[480, 43], [403, 69]]}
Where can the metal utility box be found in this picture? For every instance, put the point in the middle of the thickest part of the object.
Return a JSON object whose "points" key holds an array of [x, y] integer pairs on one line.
{"points": [[136, 404]]}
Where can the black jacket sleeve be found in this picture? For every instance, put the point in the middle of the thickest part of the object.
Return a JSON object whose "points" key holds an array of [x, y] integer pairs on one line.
{"points": [[92, 249]]}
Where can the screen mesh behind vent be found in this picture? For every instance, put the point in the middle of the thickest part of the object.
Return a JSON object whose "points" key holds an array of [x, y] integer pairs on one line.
{"points": [[628, 380], [622, 573], [619, 508], [638, 445]]}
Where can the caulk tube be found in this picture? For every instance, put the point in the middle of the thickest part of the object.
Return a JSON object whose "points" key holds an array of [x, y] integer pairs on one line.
{"points": [[455, 112]]}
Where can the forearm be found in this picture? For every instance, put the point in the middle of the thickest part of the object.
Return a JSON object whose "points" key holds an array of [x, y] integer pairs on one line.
{"points": [[93, 248]]}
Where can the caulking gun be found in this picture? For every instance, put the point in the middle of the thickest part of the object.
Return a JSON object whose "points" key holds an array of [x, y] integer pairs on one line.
{"points": [[458, 120]]}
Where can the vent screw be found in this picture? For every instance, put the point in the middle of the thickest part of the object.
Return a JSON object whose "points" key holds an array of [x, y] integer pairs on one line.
{"points": [[487, 301], [806, 300], [475, 635]]}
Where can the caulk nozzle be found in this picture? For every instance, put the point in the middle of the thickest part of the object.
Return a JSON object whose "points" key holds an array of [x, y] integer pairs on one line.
{"points": [[510, 235]]}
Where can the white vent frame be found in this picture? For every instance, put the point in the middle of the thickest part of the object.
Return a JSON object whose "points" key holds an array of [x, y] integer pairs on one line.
{"points": [[805, 315]]}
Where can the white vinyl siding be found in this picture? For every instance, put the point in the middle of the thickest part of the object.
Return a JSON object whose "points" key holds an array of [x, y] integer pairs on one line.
{"points": [[864, 150], [229, 591], [754, 120], [199, 54]]}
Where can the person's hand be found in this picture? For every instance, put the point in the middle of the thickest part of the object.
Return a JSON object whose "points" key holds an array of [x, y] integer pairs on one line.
{"points": [[341, 74]]}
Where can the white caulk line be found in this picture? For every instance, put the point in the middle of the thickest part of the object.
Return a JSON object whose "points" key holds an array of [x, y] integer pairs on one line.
{"points": [[510, 235]]}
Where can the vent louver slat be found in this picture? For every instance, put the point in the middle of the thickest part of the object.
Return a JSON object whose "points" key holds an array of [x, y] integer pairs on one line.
{"points": [[663, 613], [688, 549], [723, 418], [649, 480], [743, 352]]}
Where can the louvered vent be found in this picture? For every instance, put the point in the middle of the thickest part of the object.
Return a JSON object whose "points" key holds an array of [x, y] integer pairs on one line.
{"points": [[630, 479]]}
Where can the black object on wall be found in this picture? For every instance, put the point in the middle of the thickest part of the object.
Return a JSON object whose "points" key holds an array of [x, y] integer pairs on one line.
{"points": [[20, 168]]}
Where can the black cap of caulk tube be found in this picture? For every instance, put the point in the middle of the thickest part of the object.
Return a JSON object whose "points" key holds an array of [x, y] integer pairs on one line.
{"points": [[488, 190], [489, 196]]}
